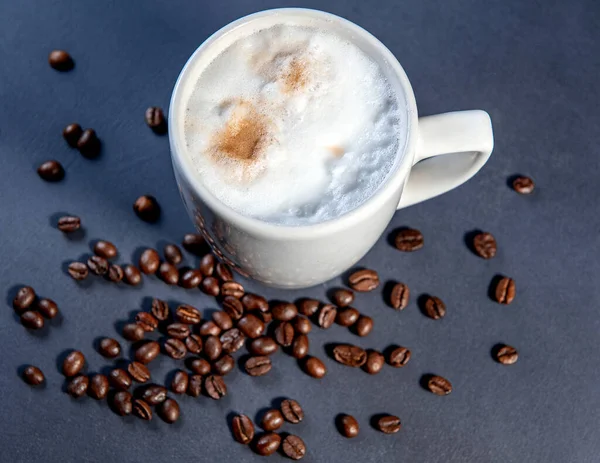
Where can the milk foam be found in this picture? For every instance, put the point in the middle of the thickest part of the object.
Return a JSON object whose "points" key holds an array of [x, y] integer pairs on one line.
{"points": [[292, 125]]}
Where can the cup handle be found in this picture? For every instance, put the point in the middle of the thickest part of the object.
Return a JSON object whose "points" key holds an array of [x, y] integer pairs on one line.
{"points": [[466, 140]]}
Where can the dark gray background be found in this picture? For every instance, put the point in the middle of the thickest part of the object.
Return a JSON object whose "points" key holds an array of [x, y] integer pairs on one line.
{"points": [[533, 65]]}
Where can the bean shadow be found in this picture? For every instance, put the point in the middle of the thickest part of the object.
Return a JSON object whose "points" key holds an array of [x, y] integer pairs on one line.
{"points": [[511, 178], [421, 301], [135, 258], [21, 369], [495, 349], [229, 419], [375, 418], [386, 294], [468, 240], [328, 348], [241, 362], [492, 287], [424, 381], [391, 237], [77, 235]]}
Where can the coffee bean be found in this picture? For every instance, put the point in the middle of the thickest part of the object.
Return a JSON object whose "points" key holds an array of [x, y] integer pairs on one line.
{"points": [[156, 119], [284, 311], [98, 265], [119, 379], [284, 334], [343, 297], [98, 388], [300, 346], [132, 275], [142, 410], [349, 355], [147, 208], [89, 144], [139, 372], [267, 444], [154, 394], [399, 357], [122, 403], [195, 386], [434, 307], [314, 367], [507, 355], [374, 362], [399, 296], [272, 420], [233, 307], [212, 347], [172, 254], [169, 411], [71, 133], [222, 320], [194, 244], [147, 352], [308, 307], [251, 326], [348, 426], [364, 325], [505, 290], [168, 273], [109, 348], [264, 345], [73, 363], [327, 316], [293, 447], [215, 387], [115, 273], [179, 383], [523, 185], [33, 375], [32, 320], [78, 386], [199, 366], [302, 325], [60, 60], [224, 365], [364, 280], [178, 330], [207, 264], [223, 272], [51, 171], [78, 271], [133, 332], [389, 424], [175, 348], [69, 224], [190, 279], [258, 366], [232, 340], [439, 385], [210, 286], [149, 261], [233, 289], [485, 245], [193, 343], [292, 411], [47, 307], [147, 321], [242, 429], [347, 316], [24, 299], [209, 328], [408, 240], [105, 249], [255, 302], [187, 314]]}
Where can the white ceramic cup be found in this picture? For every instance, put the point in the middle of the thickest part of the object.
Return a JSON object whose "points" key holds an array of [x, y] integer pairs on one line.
{"points": [[455, 146]]}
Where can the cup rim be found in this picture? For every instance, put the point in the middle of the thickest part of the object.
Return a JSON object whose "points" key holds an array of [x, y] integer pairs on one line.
{"points": [[265, 229]]}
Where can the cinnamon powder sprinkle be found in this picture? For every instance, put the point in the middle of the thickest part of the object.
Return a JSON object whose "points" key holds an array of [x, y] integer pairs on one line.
{"points": [[296, 76]]}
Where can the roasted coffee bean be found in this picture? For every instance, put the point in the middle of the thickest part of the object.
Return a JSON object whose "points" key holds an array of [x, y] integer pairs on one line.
{"points": [[193, 343], [300, 346], [284, 311], [258, 366], [267, 444], [302, 325], [89, 144], [73, 363], [78, 386], [105, 249], [251, 326], [222, 320], [399, 357], [169, 411], [233, 307], [139, 372], [119, 379], [71, 133], [60, 60], [266, 317], [505, 290], [523, 185], [122, 403], [507, 355], [293, 447], [98, 265], [364, 325], [179, 383], [149, 261], [194, 244], [132, 275], [156, 119], [147, 321], [349, 355], [160, 309], [308, 307], [343, 297], [147, 208], [408, 240], [178, 330], [207, 264], [284, 334], [78, 271], [141, 409], [190, 279], [348, 426], [271, 420], [374, 362], [32, 320], [199, 366], [223, 272], [210, 286], [187, 314], [175, 348], [435, 308], [399, 296], [69, 224], [314, 367], [389, 424], [24, 299], [327, 316], [133, 332], [109, 348], [292, 411], [264, 345], [242, 429], [439, 385], [347, 316], [255, 302], [364, 280], [168, 273], [224, 365], [215, 387], [209, 328], [98, 388], [485, 245], [33, 375], [154, 394], [51, 171], [115, 273], [172, 254], [233, 289], [195, 386], [232, 340], [212, 348], [147, 352]]}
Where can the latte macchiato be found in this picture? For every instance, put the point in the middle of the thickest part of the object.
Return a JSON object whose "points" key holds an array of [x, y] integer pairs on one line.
{"points": [[292, 125]]}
